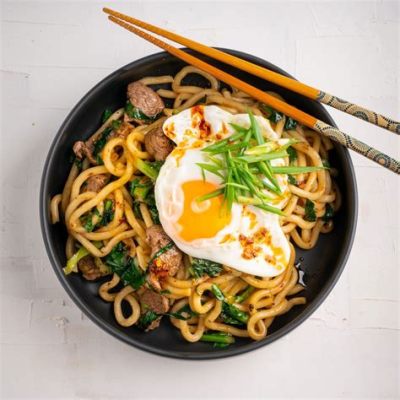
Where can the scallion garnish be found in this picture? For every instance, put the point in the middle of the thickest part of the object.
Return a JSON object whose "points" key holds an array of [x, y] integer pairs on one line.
{"points": [[243, 163]]}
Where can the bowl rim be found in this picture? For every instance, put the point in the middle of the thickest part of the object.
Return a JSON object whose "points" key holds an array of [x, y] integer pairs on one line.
{"points": [[212, 354]]}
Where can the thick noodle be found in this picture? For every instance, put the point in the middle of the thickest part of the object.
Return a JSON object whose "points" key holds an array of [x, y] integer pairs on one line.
{"points": [[269, 297]]}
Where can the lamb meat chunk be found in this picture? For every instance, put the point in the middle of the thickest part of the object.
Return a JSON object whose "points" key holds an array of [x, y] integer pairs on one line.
{"points": [[145, 99], [123, 131], [95, 183], [79, 149], [89, 269], [82, 150], [166, 264], [157, 144], [155, 302]]}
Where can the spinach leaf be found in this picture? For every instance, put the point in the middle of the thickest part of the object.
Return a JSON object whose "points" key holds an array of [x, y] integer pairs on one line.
{"points": [[310, 214], [125, 266], [116, 259], [146, 319], [151, 205], [230, 314], [273, 115], [292, 154], [292, 180], [142, 191], [156, 165], [326, 164], [133, 275], [86, 221], [108, 213], [329, 213], [100, 143], [290, 123], [73, 159], [184, 310], [116, 124], [139, 188], [106, 114], [202, 267], [133, 112]]}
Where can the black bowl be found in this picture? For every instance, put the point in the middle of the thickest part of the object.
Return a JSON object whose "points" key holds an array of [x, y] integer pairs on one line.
{"points": [[322, 265]]}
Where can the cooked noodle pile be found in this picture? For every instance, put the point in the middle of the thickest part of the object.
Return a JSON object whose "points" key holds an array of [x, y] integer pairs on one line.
{"points": [[193, 307]]}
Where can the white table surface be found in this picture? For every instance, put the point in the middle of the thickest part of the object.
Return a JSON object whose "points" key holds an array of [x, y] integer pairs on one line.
{"points": [[52, 54]]}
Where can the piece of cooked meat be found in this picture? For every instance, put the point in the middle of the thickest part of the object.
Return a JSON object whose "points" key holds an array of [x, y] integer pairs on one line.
{"points": [[145, 99], [89, 269], [123, 131], [82, 149], [168, 263], [95, 183], [155, 302], [157, 144]]}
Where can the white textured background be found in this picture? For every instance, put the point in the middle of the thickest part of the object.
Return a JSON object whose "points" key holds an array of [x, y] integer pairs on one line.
{"points": [[52, 54]]}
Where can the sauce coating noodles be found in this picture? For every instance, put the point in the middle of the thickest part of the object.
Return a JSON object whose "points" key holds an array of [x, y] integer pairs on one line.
{"points": [[267, 297]]}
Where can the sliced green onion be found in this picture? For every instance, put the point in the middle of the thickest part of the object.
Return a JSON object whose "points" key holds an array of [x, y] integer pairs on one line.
{"points": [[294, 170], [265, 168], [72, 263], [228, 147], [224, 142], [215, 160], [270, 187], [210, 168], [271, 209], [269, 156], [246, 140], [238, 128], [255, 128], [160, 252], [236, 185], [210, 195], [249, 200], [262, 149], [229, 192]]}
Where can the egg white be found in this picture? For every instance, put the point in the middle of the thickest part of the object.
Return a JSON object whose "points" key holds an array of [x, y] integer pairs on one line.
{"points": [[180, 167]]}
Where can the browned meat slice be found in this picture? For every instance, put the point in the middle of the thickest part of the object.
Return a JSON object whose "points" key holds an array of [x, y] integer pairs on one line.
{"points": [[82, 149], [145, 99], [123, 131], [95, 183], [155, 302], [89, 269], [167, 263], [157, 144]]}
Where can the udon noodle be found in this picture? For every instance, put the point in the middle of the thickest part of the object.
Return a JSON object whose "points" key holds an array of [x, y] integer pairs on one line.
{"points": [[267, 298]]}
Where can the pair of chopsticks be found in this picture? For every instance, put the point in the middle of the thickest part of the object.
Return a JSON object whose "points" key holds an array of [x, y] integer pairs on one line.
{"points": [[325, 129]]}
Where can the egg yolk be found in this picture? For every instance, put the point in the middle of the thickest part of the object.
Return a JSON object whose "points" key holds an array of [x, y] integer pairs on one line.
{"points": [[200, 220]]}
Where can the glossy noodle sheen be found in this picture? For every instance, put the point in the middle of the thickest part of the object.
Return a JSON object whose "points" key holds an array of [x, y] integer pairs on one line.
{"points": [[260, 299]]}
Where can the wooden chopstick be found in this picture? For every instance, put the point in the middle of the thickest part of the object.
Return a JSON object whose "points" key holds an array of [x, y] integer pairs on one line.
{"points": [[281, 80], [304, 118]]}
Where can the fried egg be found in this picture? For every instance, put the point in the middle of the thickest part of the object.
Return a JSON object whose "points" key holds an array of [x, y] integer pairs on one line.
{"points": [[247, 239]]}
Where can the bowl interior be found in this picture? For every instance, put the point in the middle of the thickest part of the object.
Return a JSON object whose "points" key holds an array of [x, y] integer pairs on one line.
{"points": [[321, 266]]}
